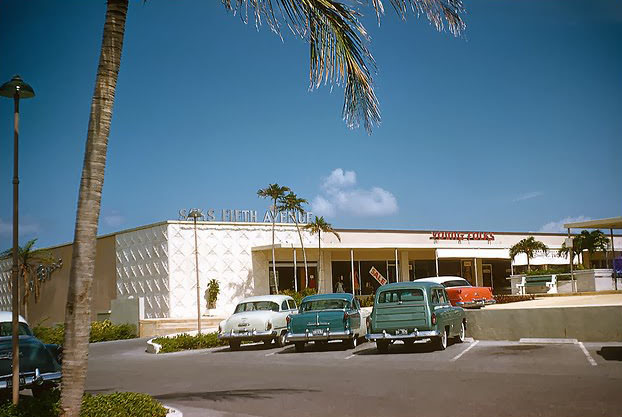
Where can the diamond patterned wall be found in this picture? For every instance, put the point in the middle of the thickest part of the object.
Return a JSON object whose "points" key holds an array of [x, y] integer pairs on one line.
{"points": [[224, 254], [142, 268], [5, 288]]}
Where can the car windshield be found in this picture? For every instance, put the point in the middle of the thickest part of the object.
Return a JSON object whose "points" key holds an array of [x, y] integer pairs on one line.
{"points": [[257, 306], [329, 304], [6, 329], [403, 295], [456, 283]]}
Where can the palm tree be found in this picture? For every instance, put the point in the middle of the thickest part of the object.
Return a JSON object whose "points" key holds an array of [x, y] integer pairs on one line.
{"points": [[292, 204], [318, 226], [337, 53], [275, 192], [593, 241], [35, 265], [528, 246]]}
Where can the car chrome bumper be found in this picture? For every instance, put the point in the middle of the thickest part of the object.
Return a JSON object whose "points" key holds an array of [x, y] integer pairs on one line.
{"points": [[250, 335], [29, 379], [324, 336], [475, 303], [426, 334]]}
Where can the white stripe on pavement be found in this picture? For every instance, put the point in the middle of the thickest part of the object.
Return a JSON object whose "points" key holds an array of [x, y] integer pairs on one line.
{"points": [[459, 355], [270, 354], [348, 357], [587, 354]]}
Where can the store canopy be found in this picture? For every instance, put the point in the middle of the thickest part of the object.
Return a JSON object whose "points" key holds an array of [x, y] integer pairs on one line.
{"points": [[612, 223], [474, 253]]}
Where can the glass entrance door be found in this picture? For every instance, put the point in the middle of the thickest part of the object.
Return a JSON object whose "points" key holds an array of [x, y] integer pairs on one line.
{"points": [[487, 275], [467, 270]]}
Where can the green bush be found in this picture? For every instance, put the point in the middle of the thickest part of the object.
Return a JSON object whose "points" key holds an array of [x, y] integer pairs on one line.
{"points": [[366, 300], [298, 296], [507, 298], [101, 331], [120, 404], [187, 342]]}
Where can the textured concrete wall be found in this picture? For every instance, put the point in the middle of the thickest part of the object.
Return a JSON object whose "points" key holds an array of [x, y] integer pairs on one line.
{"points": [[589, 324]]}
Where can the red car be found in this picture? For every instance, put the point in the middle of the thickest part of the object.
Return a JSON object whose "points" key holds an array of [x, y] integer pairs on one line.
{"points": [[462, 294]]}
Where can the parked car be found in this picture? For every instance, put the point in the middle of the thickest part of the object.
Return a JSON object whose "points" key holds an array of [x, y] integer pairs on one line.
{"points": [[255, 319], [410, 311], [326, 317], [462, 293], [39, 364]]}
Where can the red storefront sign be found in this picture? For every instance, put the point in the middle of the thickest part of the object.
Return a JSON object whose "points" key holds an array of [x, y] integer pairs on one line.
{"points": [[462, 236], [376, 274]]}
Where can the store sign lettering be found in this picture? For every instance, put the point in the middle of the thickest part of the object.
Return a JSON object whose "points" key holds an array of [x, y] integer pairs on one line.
{"points": [[376, 274], [459, 236], [247, 216]]}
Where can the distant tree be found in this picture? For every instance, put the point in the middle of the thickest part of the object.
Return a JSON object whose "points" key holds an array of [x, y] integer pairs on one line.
{"points": [[35, 265], [318, 226], [275, 192], [294, 205], [594, 241], [528, 246]]}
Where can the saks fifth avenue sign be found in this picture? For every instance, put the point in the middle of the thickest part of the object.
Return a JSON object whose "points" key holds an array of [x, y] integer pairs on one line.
{"points": [[246, 216], [459, 236]]}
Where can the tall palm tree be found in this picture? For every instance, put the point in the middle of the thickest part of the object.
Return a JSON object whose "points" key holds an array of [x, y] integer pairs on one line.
{"points": [[274, 192], [594, 241], [578, 246], [34, 266], [528, 246], [338, 54], [294, 205], [318, 226]]}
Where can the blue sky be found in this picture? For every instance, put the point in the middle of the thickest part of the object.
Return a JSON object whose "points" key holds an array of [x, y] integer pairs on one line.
{"points": [[514, 127]]}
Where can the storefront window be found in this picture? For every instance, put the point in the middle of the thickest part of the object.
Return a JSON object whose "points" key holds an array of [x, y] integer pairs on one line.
{"points": [[285, 276]]}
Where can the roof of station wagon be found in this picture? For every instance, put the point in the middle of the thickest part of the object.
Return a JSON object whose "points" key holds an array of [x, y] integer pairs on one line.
{"points": [[335, 295], [410, 284]]}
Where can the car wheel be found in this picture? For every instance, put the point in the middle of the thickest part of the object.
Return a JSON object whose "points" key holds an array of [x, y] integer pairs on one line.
{"points": [[300, 346], [462, 334], [382, 346], [267, 342], [39, 392], [280, 340], [234, 344], [441, 341]]}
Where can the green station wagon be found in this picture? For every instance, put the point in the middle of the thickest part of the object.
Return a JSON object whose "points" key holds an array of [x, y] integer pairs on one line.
{"points": [[410, 311]]}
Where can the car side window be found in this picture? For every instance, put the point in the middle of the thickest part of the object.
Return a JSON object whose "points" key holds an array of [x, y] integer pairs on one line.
{"points": [[446, 296], [292, 304], [441, 296], [434, 296], [284, 306]]}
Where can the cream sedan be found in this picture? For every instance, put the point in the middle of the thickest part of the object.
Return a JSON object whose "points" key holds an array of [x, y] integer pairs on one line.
{"points": [[262, 318]]}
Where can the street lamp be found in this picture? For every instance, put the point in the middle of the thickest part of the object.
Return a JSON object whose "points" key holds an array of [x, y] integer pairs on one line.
{"points": [[16, 89], [197, 214]]}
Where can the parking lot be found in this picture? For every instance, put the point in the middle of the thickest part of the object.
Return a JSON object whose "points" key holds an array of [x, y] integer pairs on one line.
{"points": [[469, 379]]}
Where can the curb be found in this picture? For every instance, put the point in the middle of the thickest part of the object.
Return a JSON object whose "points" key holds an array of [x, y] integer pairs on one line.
{"points": [[172, 411], [153, 347]]}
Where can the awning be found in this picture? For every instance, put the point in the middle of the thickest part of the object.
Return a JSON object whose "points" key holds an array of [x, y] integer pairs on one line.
{"points": [[474, 253], [611, 223]]}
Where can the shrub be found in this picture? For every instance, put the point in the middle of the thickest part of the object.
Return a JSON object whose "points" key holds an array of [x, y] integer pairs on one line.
{"points": [[507, 298], [366, 300], [298, 296], [120, 404], [187, 342], [101, 331]]}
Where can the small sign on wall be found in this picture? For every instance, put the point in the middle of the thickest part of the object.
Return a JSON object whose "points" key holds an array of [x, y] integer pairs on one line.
{"points": [[377, 275]]}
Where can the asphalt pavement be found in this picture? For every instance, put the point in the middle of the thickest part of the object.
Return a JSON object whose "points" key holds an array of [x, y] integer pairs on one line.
{"points": [[470, 379]]}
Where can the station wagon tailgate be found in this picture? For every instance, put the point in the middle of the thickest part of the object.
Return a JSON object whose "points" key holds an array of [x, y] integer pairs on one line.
{"points": [[400, 309]]}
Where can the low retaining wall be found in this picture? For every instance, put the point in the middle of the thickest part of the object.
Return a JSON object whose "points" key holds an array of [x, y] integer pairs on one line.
{"points": [[586, 324], [163, 327]]}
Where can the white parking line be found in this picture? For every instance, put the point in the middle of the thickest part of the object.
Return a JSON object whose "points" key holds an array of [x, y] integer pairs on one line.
{"points": [[270, 354], [587, 354], [351, 356], [459, 355]]}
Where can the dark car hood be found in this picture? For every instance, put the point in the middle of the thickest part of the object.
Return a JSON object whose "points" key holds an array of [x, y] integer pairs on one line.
{"points": [[32, 354]]}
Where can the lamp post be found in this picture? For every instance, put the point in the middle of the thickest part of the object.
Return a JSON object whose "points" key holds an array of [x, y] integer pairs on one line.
{"points": [[197, 214], [16, 89]]}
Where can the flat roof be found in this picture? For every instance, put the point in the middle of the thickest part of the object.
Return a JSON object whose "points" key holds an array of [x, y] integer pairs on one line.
{"points": [[610, 223]]}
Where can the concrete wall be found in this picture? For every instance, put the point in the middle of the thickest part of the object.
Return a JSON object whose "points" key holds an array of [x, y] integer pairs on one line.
{"points": [[588, 324]]}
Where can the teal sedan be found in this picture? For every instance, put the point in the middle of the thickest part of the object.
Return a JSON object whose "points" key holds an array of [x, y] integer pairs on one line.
{"points": [[410, 311], [325, 317]]}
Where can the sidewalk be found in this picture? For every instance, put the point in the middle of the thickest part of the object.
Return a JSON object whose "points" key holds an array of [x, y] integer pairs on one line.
{"points": [[561, 301]]}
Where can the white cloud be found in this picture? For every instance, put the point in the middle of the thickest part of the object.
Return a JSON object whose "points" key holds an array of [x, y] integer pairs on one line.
{"points": [[528, 196], [6, 228], [558, 226], [341, 197], [114, 219]]}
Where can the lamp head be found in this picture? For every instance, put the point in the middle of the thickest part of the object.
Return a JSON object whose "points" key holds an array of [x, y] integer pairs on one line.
{"points": [[16, 86]]}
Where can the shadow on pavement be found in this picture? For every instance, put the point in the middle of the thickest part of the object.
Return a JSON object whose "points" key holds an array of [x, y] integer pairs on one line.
{"points": [[247, 348], [398, 348], [230, 395], [313, 347], [611, 353]]}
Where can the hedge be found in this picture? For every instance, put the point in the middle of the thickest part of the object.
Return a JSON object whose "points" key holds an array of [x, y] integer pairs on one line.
{"points": [[507, 298], [119, 404], [298, 296], [101, 331], [187, 342]]}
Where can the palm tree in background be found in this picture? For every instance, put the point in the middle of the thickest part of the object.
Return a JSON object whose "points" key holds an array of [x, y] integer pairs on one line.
{"points": [[294, 205], [338, 53], [528, 246], [592, 242], [318, 226], [274, 192], [578, 246], [35, 266]]}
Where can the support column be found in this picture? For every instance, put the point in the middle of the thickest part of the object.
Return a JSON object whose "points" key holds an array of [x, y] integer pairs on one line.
{"points": [[476, 273], [436, 256], [404, 265], [613, 261], [352, 269], [397, 268], [295, 271]]}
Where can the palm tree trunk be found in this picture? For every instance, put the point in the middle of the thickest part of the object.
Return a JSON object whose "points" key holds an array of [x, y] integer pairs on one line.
{"points": [[304, 253], [528, 266], [276, 284], [78, 310], [319, 261]]}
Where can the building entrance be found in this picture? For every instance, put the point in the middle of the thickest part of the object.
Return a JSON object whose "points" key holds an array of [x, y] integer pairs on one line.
{"points": [[285, 276]]}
